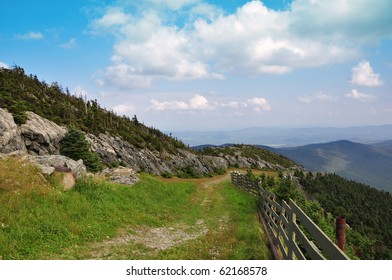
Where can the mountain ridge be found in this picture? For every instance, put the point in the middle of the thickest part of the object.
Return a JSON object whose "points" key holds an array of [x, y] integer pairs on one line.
{"points": [[370, 164], [366, 163]]}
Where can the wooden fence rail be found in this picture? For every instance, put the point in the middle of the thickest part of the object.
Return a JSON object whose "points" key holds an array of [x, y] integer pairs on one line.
{"points": [[292, 231]]}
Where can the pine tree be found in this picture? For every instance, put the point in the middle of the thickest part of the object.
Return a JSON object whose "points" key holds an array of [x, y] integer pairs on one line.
{"points": [[75, 146]]}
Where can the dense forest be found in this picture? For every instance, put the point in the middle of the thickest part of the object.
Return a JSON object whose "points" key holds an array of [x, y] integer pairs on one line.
{"points": [[323, 197], [367, 210], [20, 93]]}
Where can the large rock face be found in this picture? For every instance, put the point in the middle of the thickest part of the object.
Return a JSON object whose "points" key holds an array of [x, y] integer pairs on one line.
{"points": [[10, 138], [114, 150], [41, 136]]}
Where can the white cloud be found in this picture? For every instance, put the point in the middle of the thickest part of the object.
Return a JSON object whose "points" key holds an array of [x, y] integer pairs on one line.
{"points": [[355, 94], [197, 102], [71, 44], [205, 43], [124, 108], [169, 105], [30, 36], [124, 76], [322, 97], [80, 91], [363, 75], [114, 16], [3, 65], [259, 104]]}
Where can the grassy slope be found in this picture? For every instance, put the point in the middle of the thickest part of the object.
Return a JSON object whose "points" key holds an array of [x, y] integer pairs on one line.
{"points": [[39, 221]]}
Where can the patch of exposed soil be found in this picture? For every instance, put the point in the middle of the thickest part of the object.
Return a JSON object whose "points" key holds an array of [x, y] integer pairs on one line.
{"points": [[155, 239]]}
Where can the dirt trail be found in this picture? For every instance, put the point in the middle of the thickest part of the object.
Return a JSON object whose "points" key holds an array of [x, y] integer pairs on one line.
{"points": [[204, 182], [163, 238]]}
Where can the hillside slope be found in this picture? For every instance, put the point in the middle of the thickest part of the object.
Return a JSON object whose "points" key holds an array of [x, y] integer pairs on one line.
{"points": [[369, 164], [35, 116]]}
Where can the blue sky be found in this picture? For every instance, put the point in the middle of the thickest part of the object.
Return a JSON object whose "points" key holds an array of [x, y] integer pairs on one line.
{"points": [[211, 65]]}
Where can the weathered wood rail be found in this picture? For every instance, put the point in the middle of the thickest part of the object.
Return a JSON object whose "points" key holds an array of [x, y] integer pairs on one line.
{"points": [[291, 230]]}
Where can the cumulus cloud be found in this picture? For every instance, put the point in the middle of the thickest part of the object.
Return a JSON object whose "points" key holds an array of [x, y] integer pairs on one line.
{"points": [[322, 97], [124, 108], [197, 102], [201, 103], [123, 76], [355, 94], [30, 36], [203, 42], [363, 75], [259, 104]]}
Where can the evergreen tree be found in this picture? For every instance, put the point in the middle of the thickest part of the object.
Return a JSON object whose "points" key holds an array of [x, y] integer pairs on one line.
{"points": [[75, 146]]}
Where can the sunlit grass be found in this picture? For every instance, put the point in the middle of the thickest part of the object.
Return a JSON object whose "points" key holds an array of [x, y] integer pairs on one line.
{"points": [[40, 221]]}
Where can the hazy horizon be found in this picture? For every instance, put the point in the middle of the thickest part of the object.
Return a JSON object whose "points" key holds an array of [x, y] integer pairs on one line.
{"points": [[286, 136]]}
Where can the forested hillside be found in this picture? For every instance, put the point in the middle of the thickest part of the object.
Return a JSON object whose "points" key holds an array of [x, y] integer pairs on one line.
{"points": [[323, 197], [367, 210], [369, 164], [20, 93]]}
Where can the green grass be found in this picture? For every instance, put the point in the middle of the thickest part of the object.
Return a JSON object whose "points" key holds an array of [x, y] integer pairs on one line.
{"points": [[233, 228], [44, 222]]}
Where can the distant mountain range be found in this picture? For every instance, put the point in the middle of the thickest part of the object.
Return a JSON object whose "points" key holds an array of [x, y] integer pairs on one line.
{"points": [[364, 156], [287, 137], [370, 164]]}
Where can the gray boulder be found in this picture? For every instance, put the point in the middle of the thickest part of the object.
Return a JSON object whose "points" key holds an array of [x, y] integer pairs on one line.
{"points": [[10, 136], [41, 136], [121, 175], [48, 163]]}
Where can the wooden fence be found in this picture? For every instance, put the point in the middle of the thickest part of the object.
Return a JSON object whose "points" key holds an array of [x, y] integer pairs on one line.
{"points": [[291, 230]]}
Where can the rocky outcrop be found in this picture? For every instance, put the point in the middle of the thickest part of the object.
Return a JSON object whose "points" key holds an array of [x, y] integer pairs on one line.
{"points": [[114, 150], [48, 164], [121, 175], [41, 136], [10, 138], [38, 136]]}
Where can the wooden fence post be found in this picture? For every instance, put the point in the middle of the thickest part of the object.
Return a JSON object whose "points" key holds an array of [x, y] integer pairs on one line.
{"points": [[341, 232]]}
